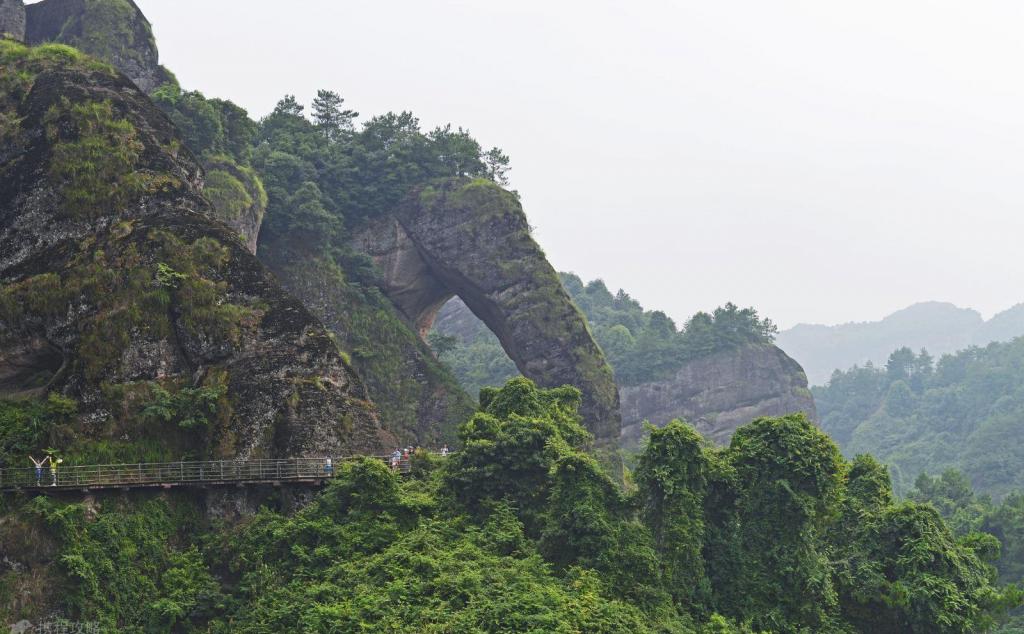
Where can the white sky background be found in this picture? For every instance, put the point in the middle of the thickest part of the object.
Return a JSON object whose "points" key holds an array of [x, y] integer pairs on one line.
{"points": [[822, 161]]}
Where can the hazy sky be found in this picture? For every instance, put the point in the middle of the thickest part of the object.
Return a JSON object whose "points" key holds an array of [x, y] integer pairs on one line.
{"points": [[822, 161]]}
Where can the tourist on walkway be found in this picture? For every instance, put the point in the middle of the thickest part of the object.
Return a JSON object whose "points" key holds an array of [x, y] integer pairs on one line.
{"points": [[39, 469], [444, 451], [328, 468], [53, 468]]}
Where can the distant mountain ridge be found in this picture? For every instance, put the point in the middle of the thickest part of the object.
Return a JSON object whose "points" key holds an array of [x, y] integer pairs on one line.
{"points": [[940, 327]]}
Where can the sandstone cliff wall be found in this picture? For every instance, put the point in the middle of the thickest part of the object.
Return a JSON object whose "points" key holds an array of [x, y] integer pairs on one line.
{"points": [[719, 393], [113, 279]]}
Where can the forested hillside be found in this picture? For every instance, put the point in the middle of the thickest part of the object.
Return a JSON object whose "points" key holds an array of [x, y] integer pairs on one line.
{"points": [[641, 345], [521, 531], [940, 327], [922, 416]]}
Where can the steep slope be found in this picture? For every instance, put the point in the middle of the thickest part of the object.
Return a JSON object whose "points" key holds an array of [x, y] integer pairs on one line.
{"points": [[116, 287], [470, 238]]}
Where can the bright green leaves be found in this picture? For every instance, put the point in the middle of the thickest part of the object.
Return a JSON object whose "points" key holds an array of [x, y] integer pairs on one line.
{"points": [[672, 480], [29, 426], [187, 407]]}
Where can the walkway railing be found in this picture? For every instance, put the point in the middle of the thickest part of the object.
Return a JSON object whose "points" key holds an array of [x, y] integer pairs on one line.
{"points": [[170, 474]]}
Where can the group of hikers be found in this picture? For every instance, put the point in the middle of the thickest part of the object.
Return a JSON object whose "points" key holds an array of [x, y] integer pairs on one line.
{"points": [[39, 464], [400, 457]]}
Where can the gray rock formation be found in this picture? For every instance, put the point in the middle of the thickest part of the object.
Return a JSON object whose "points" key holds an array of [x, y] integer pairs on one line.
{"points": [[471, 239], [237, 196], [12, 19], [114, 31], [719, 393], [113, 278]]}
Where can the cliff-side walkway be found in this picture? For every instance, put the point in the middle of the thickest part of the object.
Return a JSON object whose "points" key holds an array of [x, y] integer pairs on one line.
{"points": [[167, 475]]}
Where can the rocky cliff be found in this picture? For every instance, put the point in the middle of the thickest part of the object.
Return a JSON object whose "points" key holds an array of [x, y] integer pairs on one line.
{"points": [[470, 238], [115, 286], [115, 31], [418, 398], [237, 197], [12, 19], [720, 392]]}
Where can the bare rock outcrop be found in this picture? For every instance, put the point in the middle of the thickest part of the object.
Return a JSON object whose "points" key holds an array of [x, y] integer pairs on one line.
{"points": [[719, 393], [470, 238], [12, 20], [115, 31], [114, 282]]}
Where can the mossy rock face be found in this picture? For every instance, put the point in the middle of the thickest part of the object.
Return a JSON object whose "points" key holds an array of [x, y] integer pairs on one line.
{"points": [[114, 31], [237, 196], [470, 238], [113, 277]]}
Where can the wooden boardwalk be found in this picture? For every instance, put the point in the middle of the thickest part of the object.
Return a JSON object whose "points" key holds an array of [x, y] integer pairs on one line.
{"points": [[167, 475]]}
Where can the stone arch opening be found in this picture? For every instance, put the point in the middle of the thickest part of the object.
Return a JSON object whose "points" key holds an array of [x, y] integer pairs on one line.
{"points": [[470, 238]]}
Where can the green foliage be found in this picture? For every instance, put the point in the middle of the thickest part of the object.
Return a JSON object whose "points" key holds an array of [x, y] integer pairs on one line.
{"points": [[123, 569], [510, 447], [521, 531], [787, 487], [209, 127], [29, 426], [906, 573], [187, 408], [672, 479], [323, 173], [918, 416]]}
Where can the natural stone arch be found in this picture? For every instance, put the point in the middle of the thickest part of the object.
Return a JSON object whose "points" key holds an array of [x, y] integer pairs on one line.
{"points": [[470, 238]]}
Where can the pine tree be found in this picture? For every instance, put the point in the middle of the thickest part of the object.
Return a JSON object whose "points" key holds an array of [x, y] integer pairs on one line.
{"points": [[329, 116]]}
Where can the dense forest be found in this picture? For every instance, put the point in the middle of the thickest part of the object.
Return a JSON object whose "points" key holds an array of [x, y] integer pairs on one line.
{"points": [[521, 530], [921, 416], [641, 345]]}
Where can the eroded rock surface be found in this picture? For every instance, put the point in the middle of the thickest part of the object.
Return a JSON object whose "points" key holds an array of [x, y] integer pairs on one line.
{"points": [[719, 393], [12, 19], [113, 280], [115, 31], [237, 197], [471, 239]]}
